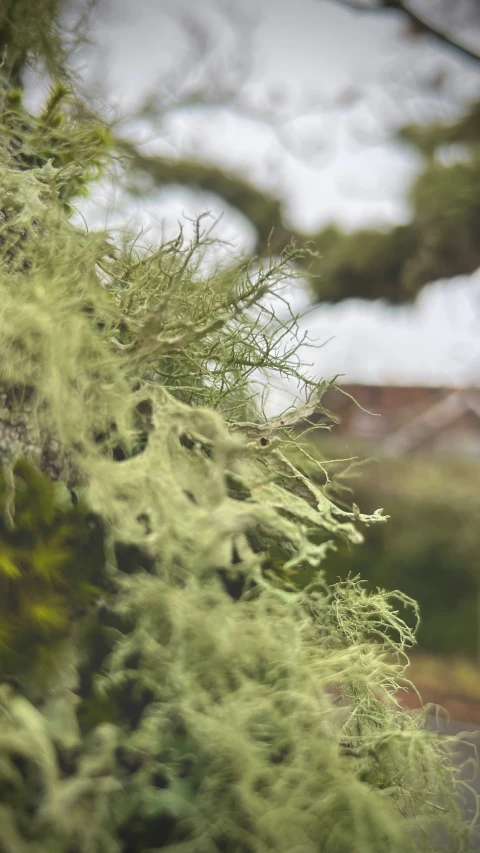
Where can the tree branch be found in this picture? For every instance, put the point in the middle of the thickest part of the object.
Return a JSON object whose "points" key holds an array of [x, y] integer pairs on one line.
{"points": [[418, 20], [261, 209]]}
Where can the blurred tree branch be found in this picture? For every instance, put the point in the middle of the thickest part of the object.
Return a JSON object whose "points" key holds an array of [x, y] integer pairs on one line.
{"points": [[263, 211], [419, 23], [439, 241]]}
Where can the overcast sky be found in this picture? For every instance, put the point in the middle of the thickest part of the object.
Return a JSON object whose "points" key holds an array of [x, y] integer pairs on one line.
{"points": [[339, 164]]}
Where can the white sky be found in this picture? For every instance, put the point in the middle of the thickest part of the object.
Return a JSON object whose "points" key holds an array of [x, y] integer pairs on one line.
{"points": [[312, 49]]}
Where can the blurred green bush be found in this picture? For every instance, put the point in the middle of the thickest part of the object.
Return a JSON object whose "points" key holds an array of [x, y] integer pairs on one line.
{"points": [[430, 546]]}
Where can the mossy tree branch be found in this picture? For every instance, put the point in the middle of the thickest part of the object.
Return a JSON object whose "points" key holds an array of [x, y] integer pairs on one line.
{"points": [[439, 241]]}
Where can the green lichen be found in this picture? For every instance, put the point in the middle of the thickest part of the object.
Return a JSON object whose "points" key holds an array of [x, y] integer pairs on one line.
{"points": [[202, 703], [56, 136]]}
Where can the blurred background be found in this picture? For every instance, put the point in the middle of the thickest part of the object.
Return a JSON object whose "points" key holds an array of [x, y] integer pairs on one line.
{"points": [[352, 126]]}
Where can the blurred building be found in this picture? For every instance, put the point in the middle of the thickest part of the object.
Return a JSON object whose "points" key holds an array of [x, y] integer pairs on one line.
{"points": [[405, 419]]}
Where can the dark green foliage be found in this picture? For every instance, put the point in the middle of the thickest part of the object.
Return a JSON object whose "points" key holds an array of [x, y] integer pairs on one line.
{"points": [[446, 198], [346, 261], [51, 565], [440, 240], [429, 138]]}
